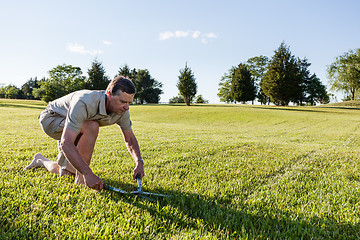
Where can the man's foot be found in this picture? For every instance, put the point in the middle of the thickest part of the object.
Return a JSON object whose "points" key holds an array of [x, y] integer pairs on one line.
{"points": [[79, 179], [36, 162], [64, 172]]}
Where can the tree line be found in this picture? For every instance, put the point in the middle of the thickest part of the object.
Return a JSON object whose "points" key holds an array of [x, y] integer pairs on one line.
{"points": [[285, 78], [65, 79], [280, 80]]}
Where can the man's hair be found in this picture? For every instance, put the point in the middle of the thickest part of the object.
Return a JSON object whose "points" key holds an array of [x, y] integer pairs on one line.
{"points": [[121, 83]]}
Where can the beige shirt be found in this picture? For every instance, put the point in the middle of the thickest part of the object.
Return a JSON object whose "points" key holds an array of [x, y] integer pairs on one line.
{"points": [[83, 105]]}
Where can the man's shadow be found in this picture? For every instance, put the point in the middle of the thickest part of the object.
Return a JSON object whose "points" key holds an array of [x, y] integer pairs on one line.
{"points": [[223, 218]]}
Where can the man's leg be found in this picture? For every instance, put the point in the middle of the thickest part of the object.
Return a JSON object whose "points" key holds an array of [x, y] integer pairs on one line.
{"points": [[89, 132], [40, 161], [52, 124], [65, 168], [85, 144]]}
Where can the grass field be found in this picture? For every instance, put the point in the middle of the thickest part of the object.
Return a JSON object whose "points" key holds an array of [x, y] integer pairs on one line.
{"points": [[233, 172]]}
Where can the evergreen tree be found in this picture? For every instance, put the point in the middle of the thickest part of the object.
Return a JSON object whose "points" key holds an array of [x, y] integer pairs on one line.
{"points": [[126, 72], [312, 90], [242, 84], [147, 88], [97, 79], [282, 81], [316, 91], [187, 84]]}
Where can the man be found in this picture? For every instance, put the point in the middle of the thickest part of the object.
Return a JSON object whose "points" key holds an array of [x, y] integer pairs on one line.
{"points": [[74, 121]]}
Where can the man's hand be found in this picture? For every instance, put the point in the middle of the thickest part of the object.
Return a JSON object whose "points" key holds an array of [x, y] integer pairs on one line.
{"points": [[93, 181], [139, 169]]}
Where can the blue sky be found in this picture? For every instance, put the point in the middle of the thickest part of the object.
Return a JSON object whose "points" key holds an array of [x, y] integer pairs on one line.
{"points": [[161, 36]]}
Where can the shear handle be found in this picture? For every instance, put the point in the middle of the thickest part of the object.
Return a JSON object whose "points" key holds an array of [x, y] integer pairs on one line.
{"points": [[138, 179]]}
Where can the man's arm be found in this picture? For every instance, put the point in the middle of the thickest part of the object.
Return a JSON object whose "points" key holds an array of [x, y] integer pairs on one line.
{"points": [[72, 154], [134, 149]]}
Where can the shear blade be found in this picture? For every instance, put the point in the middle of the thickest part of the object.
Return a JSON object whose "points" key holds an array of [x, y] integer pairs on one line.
{"points": [[154, 194], [145, 197]]}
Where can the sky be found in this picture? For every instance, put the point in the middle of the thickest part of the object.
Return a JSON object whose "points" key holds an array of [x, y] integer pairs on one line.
{"points": [[162, 36]]}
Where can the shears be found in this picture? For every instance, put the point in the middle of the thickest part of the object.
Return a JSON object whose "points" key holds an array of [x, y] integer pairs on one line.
{"points": [[139, 192]]}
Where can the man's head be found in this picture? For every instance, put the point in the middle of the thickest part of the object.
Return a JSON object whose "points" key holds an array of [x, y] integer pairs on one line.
{"points": [[121, 83], [120, 93]]}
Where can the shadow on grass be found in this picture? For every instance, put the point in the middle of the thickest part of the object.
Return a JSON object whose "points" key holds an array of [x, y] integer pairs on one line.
{"points": [[228, 220], [21, 106], [306, 109], [342, 108], [279, 108], [295, 109]]}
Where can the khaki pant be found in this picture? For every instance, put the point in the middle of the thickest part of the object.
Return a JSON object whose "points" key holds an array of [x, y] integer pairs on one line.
{"points": [[53, 125]]}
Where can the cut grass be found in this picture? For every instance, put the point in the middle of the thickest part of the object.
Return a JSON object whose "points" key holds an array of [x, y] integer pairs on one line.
{"points": [[233, 172]]}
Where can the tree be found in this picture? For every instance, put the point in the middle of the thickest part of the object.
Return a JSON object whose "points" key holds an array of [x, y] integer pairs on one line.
{"points": [[200, 99], [10, 91], [126, 72], [28, 88], [344, 73], [225, 87], [312, 90], [316, 91], [97, 78], [242, 84], [147, 88], [258, 67], [63, 80], [303, 74], [187, 84], [177, 99], [282, 82]]}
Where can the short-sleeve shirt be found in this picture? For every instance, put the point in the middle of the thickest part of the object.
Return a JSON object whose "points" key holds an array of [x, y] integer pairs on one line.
{"points": [[83, 105]]}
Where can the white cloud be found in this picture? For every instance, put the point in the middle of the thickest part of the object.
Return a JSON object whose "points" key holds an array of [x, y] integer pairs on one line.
{"points": [[77, 48], [180, 34], [204, 37], [166, 35], [196, 34], [210, 35], [176, 34], [107, 42]]}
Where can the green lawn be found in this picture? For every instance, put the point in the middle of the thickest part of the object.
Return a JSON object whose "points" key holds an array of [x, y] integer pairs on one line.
{"points": [[233, 172]]}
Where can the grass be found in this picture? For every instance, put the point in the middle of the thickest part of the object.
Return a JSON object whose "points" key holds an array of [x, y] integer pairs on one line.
{"points": [[233, 172]]}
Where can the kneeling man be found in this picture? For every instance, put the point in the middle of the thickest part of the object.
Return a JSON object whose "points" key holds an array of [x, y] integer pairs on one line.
{"points": [[74, 121]]}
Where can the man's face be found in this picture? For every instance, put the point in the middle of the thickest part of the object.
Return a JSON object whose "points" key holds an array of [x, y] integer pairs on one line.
{"points": [[118, 103]]}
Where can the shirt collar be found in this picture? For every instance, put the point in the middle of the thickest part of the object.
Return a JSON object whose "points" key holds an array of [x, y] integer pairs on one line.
{"points": [[102, 106]]}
